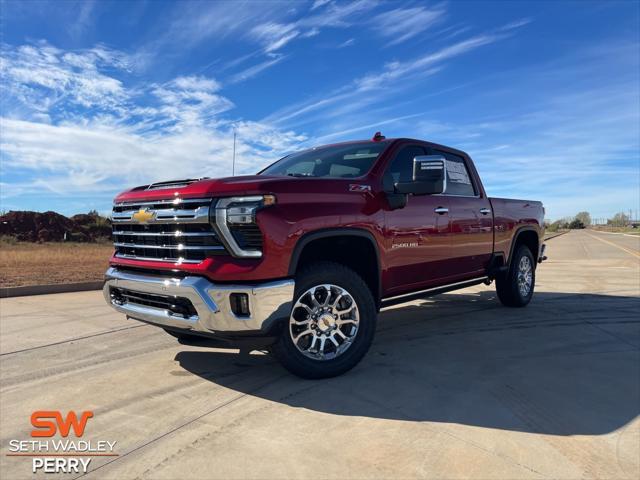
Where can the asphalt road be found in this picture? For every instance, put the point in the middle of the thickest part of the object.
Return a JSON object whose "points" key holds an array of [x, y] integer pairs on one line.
{"points": [[453, 387]]}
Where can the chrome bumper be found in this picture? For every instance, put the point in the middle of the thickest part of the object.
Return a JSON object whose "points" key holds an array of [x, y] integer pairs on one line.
{"points": [[268, 302]]}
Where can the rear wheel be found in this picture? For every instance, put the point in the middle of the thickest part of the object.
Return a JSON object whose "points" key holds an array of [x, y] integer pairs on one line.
{"points": [[515, 288], [332, 322]]}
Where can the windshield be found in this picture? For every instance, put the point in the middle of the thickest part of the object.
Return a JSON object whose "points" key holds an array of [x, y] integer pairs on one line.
{"points": [[338, 161]]}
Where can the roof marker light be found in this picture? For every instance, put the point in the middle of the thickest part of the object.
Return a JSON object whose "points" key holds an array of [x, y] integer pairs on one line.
{"points": [[378, 137]]}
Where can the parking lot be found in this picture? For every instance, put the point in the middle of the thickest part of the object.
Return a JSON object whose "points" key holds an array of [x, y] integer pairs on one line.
{"points": [[456, 386]]}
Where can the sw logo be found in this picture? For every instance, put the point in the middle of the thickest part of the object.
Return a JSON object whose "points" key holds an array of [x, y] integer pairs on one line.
{"points": [[46, 427], [62, 454]]}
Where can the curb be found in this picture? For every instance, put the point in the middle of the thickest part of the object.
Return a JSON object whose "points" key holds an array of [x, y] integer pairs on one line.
{"points": [[8, 292], [555, 235]]}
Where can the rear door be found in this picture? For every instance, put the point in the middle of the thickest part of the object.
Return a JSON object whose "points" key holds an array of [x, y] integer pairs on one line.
{"points": [[417, 236], [470, 217]]}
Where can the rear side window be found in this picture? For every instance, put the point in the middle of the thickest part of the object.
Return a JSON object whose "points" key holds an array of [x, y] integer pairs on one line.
{"points": [[401, 168], [458, 177]]}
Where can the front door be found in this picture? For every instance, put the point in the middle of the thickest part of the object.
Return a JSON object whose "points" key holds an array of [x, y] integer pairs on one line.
{"points": [[418, 248]]}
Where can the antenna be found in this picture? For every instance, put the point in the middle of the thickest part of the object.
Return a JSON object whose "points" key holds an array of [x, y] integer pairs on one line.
{"points": [[233, 164]]}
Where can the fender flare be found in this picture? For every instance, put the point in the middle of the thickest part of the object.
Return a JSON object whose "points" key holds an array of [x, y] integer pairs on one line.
{"points": [[307, 238], [520, 231]]}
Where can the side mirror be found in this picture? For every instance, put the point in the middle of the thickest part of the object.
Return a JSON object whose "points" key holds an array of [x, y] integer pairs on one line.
{"points": [[429, 176]]}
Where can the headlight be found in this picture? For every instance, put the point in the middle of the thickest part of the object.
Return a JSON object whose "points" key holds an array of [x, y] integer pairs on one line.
{"points": [[239, 214]]}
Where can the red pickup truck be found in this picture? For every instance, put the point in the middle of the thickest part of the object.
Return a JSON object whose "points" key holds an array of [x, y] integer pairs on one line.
{"points": [[300, 258]]}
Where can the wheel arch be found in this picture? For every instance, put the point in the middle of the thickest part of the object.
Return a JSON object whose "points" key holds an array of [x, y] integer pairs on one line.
{"points": [[315, 245], [528, 236]]}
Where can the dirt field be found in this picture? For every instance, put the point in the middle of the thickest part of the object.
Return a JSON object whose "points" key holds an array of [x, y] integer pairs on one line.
{"points": [[39, 264]]}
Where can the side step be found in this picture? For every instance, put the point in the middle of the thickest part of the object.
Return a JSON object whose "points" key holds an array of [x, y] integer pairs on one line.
{"points": [[429, 292]]}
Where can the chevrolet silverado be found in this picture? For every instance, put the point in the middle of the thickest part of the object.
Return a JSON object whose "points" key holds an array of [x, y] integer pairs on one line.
{"points": [[300, 258]]}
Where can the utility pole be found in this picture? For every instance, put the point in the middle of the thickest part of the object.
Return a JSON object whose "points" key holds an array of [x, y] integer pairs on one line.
{"points": [[233, 164]]}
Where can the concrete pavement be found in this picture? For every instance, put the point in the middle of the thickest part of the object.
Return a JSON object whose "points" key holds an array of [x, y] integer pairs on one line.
{"points": [[453, 387]]}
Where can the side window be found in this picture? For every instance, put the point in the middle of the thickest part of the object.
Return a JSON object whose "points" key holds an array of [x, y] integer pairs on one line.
{"points": [[302, 168], [401, 168], [337, 170], [458, 178]]}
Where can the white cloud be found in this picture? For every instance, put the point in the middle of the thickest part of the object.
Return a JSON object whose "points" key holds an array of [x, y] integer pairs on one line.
{"points": [[196, 83], [358, 93], [194, 22], [104, 156], [402, 24], [83, 21], [311, 33], [347, 43], [40, 75], [516, 24], [256, 69], [319, 3], [274, 35], [80, 130]]}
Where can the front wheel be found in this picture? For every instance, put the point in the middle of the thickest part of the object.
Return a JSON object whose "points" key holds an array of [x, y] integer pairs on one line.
{"points": [[331, 325], [515, 288]]}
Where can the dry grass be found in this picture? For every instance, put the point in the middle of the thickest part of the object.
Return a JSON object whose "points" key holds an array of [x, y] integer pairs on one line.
{"points": [[609, 228], [39, 264]]}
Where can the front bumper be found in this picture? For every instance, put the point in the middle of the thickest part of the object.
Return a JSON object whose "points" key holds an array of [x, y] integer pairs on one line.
{"points": [[211, 312]]}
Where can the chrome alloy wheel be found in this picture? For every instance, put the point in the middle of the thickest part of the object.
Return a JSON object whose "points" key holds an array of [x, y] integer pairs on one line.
{"points": [[525, 276], [324, 322]]}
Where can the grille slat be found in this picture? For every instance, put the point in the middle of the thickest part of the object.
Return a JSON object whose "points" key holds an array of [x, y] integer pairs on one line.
{"points": [[176, 305], [187, 202], [178, 232], [169, 247], [164, 234], [164, 215]]}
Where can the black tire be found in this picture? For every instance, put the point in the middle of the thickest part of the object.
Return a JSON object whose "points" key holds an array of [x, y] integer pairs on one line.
{"points": [[508, 286], [318, 274]]}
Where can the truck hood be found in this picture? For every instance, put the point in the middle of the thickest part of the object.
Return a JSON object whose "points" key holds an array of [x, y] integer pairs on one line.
{"points": [[227, 186]]}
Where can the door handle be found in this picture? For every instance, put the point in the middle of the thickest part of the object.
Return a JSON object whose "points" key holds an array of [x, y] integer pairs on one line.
{"points": [[485, 211], [441, 210]]}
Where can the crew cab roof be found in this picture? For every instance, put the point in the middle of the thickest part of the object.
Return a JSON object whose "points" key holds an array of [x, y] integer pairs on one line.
{"points": [[392, 141]]}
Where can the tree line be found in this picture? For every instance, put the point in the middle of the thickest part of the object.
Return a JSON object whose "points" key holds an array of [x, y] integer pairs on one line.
{"points": [[583, 220]]}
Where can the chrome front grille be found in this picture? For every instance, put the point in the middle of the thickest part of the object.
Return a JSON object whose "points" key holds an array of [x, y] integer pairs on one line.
{"points": [[175, 231]]}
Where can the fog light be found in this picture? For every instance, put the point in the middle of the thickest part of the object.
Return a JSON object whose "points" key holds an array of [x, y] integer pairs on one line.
{"points": [[240, 304]]}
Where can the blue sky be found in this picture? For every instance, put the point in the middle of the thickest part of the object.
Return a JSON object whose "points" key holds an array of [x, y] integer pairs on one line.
{"points": [[98, 96]]}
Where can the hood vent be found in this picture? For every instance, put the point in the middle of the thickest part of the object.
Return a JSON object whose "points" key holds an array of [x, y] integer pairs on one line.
{"points": [[172, 184]]}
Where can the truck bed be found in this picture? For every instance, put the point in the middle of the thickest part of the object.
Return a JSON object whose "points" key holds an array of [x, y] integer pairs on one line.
{"points": [[509, 215]]}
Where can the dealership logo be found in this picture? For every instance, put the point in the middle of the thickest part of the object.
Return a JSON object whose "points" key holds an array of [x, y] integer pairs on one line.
{"points": [[68, 454], [46, 427]]}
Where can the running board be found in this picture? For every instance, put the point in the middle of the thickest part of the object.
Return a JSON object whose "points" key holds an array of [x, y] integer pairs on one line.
{"points": [[429, 292]]}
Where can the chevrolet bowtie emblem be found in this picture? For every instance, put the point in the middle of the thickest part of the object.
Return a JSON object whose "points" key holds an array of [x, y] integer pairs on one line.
{"points": [[143, 215]]}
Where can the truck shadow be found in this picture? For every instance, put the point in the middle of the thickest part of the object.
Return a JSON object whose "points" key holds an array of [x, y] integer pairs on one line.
{"points": [[568, 364]]}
